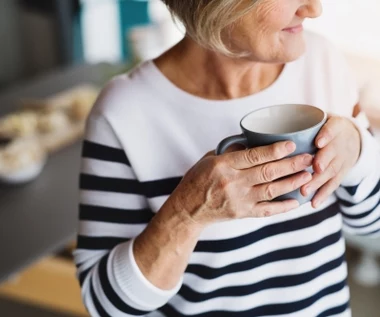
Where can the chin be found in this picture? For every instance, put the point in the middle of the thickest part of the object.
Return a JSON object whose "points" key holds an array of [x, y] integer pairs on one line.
{"points": [[279, 51], [287, 51], [293, 55], [293, 50]]}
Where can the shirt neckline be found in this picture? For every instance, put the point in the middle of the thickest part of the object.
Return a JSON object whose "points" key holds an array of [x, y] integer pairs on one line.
{"points": [[161, 83]]}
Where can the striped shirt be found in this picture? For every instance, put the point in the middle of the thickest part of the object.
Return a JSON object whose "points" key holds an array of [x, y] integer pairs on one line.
{"points": [[144, 133]]}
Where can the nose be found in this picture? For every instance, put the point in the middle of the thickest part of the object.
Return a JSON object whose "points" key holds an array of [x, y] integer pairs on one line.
{"points": [[311, 9]]}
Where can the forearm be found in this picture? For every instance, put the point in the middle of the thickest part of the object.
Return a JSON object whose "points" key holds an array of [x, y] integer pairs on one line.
{"points": [[163, 249], [142, 274]]}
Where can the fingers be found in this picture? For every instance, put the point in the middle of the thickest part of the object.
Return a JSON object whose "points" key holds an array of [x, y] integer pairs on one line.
{"points": [[323, 159], [332, 171], [325, 191], [267, 209], [329, 131], [259, 155], [269, 172], [270, 191]]}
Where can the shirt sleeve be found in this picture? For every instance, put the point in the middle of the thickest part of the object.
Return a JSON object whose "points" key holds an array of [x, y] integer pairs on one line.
{"points": [[359, 193], [113, 211]]}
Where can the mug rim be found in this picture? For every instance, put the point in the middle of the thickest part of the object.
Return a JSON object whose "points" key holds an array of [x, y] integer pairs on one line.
{"points": [[289, 133]]}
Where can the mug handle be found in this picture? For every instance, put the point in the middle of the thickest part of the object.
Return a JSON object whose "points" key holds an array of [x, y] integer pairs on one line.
{"points": [[227, 142]]}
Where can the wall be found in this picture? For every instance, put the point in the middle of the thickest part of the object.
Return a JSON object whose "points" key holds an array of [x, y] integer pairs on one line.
{"points": [[28, 43], [11, 65], [354, 25], [40, 39], [101, 31]]}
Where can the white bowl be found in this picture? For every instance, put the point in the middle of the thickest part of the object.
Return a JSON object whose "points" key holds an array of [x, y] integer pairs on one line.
{"points": [[24, 175], [21, 161]]}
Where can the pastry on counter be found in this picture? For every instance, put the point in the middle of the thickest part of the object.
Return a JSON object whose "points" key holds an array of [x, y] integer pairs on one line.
{"points": [[53, 121], [40, 128], [83, 94], [59, 139], [81, 106], [21, 159], [20, 124]]}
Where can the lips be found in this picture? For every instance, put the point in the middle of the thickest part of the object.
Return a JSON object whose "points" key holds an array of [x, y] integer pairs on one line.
{"points": [[294, 29]]}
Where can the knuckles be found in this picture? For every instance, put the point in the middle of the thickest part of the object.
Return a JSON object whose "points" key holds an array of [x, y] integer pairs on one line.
{"points": [[268, 173], [294, 165], [269, 192], [251, 156]]}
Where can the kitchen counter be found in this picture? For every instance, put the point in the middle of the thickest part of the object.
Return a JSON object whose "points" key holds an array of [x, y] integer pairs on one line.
{"points": [[39, 218]]}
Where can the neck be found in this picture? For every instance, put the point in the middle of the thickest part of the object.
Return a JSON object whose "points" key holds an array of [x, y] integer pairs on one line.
{"points": [[214, 76]]}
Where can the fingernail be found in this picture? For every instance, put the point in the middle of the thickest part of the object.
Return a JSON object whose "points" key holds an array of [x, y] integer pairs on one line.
{"points": [[322, 142], [308, 159], [307, 191], [290, 146]]}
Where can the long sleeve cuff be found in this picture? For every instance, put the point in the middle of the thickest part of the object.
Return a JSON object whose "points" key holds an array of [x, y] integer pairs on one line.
{"points": [[134, 284], [369, 157]]}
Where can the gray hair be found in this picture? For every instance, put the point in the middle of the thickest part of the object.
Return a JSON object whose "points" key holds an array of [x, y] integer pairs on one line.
{"points": [[206, 20]]}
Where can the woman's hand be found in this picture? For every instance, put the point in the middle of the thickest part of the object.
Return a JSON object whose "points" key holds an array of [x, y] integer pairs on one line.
{"points": [[241, 184], [340, 144]]}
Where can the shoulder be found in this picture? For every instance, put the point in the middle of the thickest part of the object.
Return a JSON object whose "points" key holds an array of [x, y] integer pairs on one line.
{"points": [[123, 105], [123, 93]]}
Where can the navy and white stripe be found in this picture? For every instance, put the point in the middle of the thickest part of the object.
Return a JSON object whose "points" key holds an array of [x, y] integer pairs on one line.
{"points": [[286, 266], [292, 264], [360, 202]]}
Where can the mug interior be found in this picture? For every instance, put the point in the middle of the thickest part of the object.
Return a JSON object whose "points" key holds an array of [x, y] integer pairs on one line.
{"points": [[282, 119]]}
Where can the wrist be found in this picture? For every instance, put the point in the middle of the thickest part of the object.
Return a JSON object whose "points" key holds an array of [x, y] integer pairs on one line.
{"points": [[169, 238], [367, 160], [175, 210]]}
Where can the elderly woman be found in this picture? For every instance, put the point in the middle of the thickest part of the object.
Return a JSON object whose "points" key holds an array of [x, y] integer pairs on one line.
{"points": [[169, 229]]}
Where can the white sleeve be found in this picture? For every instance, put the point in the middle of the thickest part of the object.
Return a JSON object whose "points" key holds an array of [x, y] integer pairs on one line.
{"points": [[113, 211], [359, 193]]}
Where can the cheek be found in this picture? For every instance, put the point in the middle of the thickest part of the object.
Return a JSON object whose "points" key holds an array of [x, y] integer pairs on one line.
{"points": [[260, 32], [273, 15], [263, 26]]}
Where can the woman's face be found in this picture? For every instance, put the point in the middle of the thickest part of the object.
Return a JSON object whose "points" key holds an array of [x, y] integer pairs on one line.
{"points": [[272, 31]]}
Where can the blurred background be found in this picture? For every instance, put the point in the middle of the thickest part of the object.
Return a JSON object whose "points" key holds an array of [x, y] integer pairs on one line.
{"points": [[55, 55]]}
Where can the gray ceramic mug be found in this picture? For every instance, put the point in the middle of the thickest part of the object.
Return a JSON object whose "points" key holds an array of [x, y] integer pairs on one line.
{"points": [[289, 122]]}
